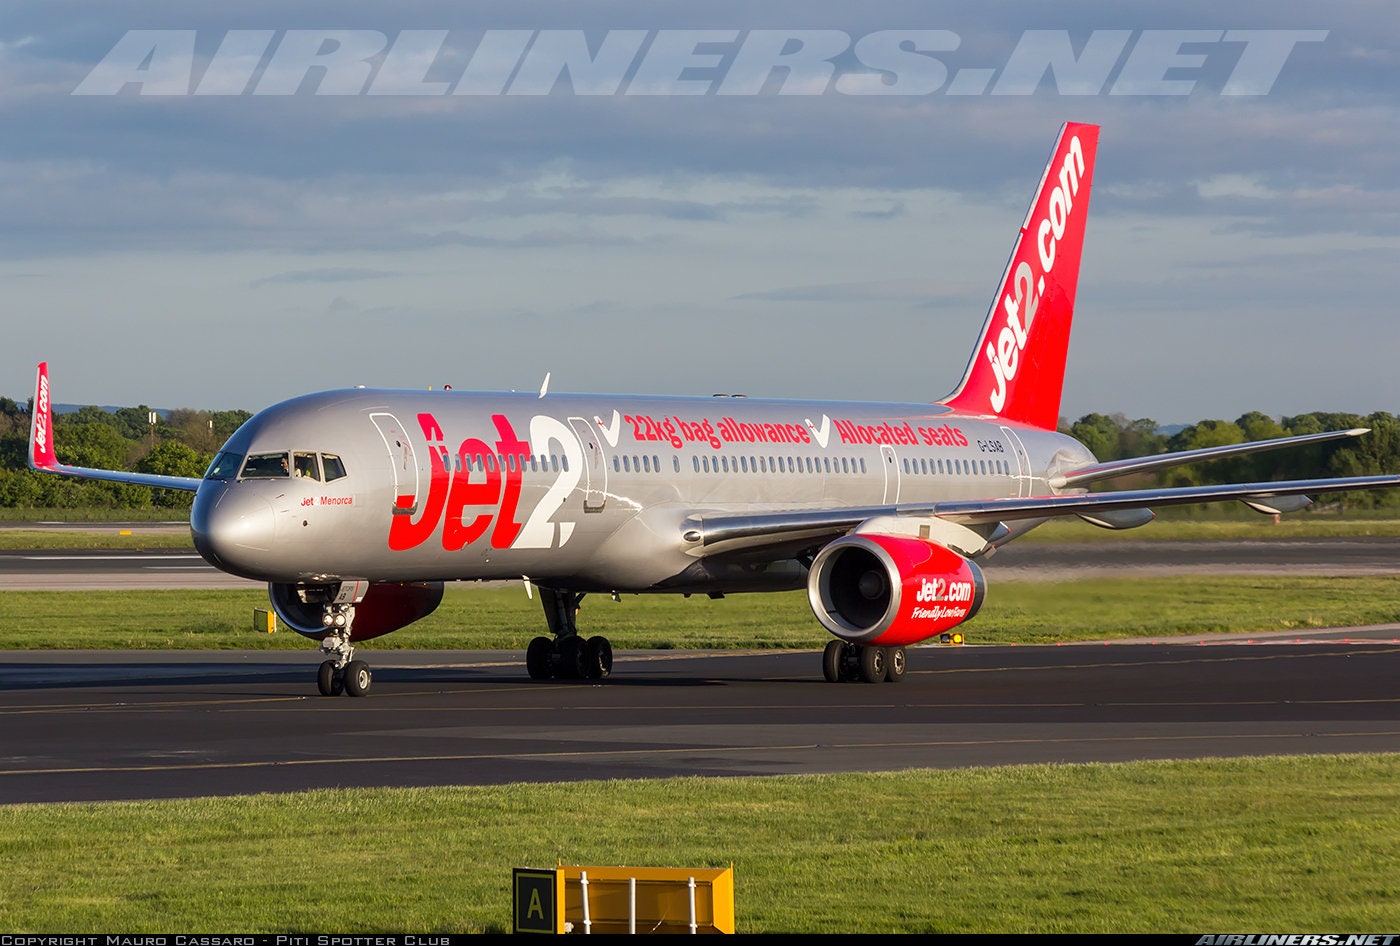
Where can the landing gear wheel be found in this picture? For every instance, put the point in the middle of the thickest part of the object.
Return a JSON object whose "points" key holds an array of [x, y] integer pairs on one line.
{"points": [[326, 679], [598, 658], [895, 665], [832, 659], [569, 656], [573, 655], [537, 658], [873, 664], [357, 678]]}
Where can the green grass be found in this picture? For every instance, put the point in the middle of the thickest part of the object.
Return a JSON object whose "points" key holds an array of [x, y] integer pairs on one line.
{"points": [[1302, 844], [1296, 845], [94, 514], [112, 539], [488, 617]]}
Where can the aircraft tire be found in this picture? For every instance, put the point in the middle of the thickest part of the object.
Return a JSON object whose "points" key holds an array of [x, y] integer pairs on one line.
{"points": [[325, 678], [537, 663], [895, 665], [832, 659], [573, 653], [358, 678], [599, 657], [873, 664]]}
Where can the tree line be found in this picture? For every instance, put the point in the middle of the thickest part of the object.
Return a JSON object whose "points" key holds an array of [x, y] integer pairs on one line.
{"points": [[183, 443], [1114, 437]]}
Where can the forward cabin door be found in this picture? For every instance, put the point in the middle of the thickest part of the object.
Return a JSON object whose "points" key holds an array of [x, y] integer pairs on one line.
{"points": [[595, 466], [403, 462]]}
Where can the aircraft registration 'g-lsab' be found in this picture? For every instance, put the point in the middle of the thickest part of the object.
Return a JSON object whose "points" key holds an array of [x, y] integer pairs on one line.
{"points": [[356, 506]]}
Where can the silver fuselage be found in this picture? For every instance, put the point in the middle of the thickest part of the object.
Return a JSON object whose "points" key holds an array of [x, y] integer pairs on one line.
{"points": [[586, 492]]}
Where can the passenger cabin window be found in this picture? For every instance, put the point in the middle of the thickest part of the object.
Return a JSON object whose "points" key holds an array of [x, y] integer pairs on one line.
{"points": [[265, 466]]}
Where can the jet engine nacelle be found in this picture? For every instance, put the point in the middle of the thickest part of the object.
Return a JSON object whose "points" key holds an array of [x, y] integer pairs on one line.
{"points": [[378, 608], [888, 590]]}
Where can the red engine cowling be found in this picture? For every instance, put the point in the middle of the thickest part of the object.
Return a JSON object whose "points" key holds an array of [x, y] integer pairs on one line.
{"points": [[892, 590], [379, 608]]}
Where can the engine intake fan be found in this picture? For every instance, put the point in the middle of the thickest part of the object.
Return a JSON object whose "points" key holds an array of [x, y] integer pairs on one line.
{"points": [[379, 608], [888, 590]]}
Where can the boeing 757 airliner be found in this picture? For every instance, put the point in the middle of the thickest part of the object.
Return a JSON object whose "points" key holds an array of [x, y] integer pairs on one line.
{"points": [[357, 505]]}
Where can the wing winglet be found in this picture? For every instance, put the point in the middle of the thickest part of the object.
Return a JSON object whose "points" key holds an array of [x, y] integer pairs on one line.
{"points": [[44, 459], [41, 452]]}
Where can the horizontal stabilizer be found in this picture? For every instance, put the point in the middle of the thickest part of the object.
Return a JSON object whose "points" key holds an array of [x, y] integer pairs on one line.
{"points": [[1115, 468]]}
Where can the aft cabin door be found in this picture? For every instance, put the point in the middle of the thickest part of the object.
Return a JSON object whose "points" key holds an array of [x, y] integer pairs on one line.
{"points": [[402, 461], [595, 467], [1022, 470]]}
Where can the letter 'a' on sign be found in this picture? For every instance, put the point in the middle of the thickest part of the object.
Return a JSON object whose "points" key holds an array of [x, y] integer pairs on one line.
{"points": [[535, 899]]}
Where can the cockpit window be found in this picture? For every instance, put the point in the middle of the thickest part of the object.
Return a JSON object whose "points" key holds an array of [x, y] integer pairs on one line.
{"points": [[265, 466], [334, 468], [224, 467], [305, 465]]}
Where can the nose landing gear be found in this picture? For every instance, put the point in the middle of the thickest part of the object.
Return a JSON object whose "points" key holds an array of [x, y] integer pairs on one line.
{"points": [[342, 673], [354, 679]]}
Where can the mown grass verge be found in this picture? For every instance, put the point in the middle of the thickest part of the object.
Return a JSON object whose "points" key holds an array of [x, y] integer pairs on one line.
{"points": [[494, 617], [1299, 845]]}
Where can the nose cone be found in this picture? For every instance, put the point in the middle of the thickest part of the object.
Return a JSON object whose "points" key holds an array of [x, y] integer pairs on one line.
{"points": [[234, 530]]}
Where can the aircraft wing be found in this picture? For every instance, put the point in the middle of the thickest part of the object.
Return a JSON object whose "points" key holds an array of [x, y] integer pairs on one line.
{"points": [[734, 532], [43, 458], [1114, 468]]}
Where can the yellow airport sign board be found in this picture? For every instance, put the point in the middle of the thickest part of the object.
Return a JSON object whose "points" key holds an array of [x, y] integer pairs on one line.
{"points": [[580, 899]]}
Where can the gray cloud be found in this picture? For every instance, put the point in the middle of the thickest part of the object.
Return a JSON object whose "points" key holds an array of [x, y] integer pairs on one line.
{"points": [[331, 275]]}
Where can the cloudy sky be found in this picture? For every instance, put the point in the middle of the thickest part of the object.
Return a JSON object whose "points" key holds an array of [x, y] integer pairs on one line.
{"points": [[217, 205]]}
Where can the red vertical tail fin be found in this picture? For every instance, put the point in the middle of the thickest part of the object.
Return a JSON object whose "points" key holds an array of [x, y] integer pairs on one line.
{"points": [[1018, 367]]}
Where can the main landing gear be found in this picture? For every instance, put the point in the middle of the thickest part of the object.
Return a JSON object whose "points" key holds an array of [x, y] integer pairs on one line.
{"points": [[568, 656], [843, 661], [341, 673]]}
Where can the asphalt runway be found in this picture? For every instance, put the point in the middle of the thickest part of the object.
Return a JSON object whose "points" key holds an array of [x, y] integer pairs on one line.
{"points": [[96, 570], [100, 726], [124, 725]]}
